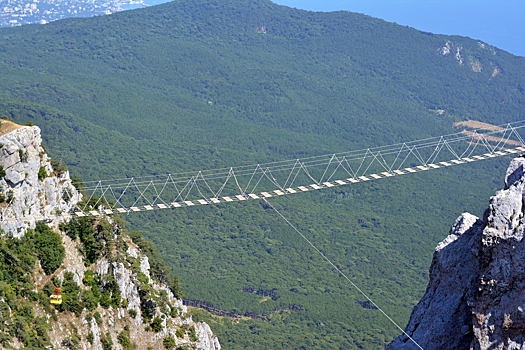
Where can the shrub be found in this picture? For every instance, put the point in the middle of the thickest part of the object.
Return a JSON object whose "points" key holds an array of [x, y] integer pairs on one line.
{"points": [[123, 339], [133, 313], [180, 333], [71, 342], [70, 295], [90, 337], [156, 325], [2, 171], [59, 167], [42, 173], [10, 197], [92, 243], [98, 318], [169, 342], [115, 299], [193, 334], [107, 343], [176, 287]]}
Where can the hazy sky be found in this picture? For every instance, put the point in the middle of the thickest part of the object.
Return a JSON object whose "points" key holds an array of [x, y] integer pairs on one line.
{"points": [[499, 23]]}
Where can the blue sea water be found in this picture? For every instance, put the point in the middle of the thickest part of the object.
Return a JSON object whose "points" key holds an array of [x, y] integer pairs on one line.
{"points": [[495, 22], [131, 7]]}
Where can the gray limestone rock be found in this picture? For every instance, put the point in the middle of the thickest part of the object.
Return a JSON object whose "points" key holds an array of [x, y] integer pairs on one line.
{"points": [[22, 157], [474, 299]]}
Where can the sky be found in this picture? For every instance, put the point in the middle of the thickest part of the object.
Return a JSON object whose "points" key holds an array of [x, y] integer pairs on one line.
{"points": [[500, 23]]}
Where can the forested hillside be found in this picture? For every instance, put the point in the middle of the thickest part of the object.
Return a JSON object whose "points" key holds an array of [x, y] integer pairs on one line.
{"points": [[196, 84]]}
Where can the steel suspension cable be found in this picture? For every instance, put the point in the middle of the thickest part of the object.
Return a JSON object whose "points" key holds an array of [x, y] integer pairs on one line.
{"points": [[342, 274]]}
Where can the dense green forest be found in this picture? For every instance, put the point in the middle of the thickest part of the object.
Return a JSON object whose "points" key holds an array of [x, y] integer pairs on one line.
{"points": [[197, 84]]}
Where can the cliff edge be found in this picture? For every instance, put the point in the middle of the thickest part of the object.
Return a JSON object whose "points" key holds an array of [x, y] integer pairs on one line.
{"points": [[474, 299], [116, 292]]}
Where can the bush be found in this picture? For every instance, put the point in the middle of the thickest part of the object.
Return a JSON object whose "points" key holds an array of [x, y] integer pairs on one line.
{"points": [[105, 300], [90, 337], [123, 339], [107, 343], [98, 318], [156, 325], [59, 167], [89, 299], [42, 173], [115, 299], [132, 313], [180, 333], [70, 295], [10, 197], [169, 342], [193, 334], [83, 228], [176, 287], [2, 171], [71, 342]]}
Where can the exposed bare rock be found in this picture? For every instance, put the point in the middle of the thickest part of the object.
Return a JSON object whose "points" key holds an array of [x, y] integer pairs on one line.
{"points": [[474, 299], [450, 47], [27, 196]]}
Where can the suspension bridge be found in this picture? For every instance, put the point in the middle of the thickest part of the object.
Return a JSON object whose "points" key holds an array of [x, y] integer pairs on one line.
{"points": [[260, 181], [282, 178]]}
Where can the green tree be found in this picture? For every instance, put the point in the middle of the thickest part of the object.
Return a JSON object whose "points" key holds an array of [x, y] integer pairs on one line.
{"points": [[105, 300], [49, 248], [89, 300]]}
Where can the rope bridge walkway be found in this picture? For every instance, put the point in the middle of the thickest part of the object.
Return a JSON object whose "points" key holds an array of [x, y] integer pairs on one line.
{"points": [[261, 181], [281, 178]]}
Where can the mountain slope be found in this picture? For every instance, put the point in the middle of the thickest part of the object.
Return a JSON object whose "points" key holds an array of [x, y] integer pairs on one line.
{"points": [[167, 71], [203, 84]]}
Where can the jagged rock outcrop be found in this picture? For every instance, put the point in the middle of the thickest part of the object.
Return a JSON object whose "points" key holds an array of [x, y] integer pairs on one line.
{"points": [[31, 189], [474, 299]]}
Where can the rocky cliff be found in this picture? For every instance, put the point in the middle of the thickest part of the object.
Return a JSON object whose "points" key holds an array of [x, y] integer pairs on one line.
{"points": [[475, 298], [31, 189], [114, 295]]}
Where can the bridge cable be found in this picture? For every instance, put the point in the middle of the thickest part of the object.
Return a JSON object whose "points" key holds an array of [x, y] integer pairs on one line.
{"points": [[341, 273]]}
